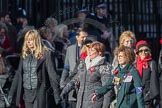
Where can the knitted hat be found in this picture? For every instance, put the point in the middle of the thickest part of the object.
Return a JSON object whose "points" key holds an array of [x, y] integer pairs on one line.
{"points": [[140, 44]]}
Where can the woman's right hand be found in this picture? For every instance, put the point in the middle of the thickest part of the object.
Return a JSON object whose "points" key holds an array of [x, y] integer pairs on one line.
{"points": [[94, 98]]}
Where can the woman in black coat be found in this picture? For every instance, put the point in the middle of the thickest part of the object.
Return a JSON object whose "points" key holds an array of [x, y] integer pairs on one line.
{"points": [[36, 81], [147, 69]]}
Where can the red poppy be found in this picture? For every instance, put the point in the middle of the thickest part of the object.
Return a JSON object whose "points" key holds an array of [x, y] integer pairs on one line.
{"points": [[116, 72], [92, 69]]}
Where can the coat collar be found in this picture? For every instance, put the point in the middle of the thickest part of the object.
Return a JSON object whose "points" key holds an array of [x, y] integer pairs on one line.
{"points": [[95, 62], [40, 61], [126, 69]]}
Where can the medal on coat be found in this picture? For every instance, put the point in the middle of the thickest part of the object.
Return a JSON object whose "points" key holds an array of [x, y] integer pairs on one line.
{"points": [[116, 80]]}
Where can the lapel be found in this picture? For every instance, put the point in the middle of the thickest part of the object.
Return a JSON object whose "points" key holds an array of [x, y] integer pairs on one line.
{"points": [[40, 61], [75, 49]]}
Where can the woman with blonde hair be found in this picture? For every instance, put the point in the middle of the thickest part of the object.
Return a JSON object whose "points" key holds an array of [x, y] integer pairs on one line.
{"points": [[127, 38], [36, 75]]}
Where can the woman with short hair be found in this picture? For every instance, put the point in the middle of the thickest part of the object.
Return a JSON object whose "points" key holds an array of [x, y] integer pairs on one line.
{"points": [[147, 69], [92, 72], [127, 81]]}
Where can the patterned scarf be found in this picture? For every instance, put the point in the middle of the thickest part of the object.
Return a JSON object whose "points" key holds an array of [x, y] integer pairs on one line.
{"points": [[142, 63]]}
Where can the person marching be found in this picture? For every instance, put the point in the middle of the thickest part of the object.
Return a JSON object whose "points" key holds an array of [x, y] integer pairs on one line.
{"points": [[36, 76], [127, 80]]}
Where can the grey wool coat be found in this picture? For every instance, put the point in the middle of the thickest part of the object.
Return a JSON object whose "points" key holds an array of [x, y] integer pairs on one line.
{"points": [[47, 80], [90, 76]]}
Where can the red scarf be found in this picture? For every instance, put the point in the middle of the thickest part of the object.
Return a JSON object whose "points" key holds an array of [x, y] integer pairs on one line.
{"points": [[142, 64]]}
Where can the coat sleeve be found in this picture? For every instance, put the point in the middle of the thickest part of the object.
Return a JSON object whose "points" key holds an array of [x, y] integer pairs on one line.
{"points": [[66, 70], [105, 88], [160, 62], [73, 79], [53, 77], [106, 75], [73, 74], [15, 81], [154, 82], [138, 87]]}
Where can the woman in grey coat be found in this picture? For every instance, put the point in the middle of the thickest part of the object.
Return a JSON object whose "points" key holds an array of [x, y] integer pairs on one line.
{"points": [[92, 72]]}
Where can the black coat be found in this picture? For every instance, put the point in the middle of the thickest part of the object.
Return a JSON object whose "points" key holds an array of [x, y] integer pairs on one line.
{"points": [[150, 82], [48, 83]]}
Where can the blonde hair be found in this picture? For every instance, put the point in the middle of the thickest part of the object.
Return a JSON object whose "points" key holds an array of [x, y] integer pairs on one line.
{"points": [[39, 47], [126, 34], [59, 30]]}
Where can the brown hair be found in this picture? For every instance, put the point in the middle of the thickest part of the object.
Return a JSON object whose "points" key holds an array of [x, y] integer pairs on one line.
{"points": [[129, 53], [99, 47]]}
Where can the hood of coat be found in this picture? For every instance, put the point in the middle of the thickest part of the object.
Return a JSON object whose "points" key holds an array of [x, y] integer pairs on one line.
{"points": [[95, 62]]}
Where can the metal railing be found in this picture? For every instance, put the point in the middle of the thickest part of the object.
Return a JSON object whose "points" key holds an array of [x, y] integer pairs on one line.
{"points": [[143, 17]]}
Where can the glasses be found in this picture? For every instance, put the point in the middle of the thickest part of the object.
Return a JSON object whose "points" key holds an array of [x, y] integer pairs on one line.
{"points": [[143, 50], [121, 56]]}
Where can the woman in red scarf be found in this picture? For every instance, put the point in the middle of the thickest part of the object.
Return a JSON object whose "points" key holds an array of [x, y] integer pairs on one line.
{"points": [[148, 72]]}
